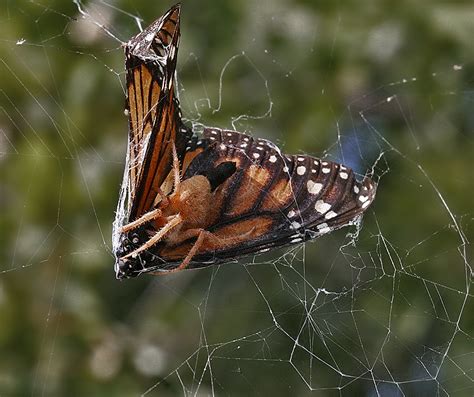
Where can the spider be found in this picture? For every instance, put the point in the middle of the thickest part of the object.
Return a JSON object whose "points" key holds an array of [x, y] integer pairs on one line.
{"points": [[186, 213]]}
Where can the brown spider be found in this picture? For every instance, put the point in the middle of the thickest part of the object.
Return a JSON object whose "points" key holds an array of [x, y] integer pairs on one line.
{"points": [[183, 215]]}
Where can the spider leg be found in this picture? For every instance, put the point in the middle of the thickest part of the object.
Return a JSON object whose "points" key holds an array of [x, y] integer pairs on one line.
{"points": [[149, 216], [158, 236], [177, 175], [202, 236]]}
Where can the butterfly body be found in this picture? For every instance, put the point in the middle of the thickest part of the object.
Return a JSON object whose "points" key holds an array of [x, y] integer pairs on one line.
{"points": [[191, 200]]}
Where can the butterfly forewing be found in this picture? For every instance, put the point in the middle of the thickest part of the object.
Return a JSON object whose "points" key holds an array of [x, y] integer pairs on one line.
{"points": [[155, 120], [154, 117]]}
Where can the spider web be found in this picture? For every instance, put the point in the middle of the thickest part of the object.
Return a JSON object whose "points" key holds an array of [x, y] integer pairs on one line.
{"points": [[381, 308]]}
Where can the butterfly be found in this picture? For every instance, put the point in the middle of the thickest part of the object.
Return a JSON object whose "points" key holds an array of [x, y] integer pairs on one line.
{"points": [[192, 200]]}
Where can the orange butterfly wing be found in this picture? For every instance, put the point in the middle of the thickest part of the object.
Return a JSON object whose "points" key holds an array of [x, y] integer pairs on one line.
{"points": [[155, 119]]}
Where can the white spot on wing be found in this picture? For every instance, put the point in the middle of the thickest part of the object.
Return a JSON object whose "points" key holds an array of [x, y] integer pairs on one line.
{"points": [[272, 158], [301, 170], [356, 189], [321, 206], [291, 214], [326, 170], [330, 215], [295, 225], [344, 175], [313, 187], [256, 155], [324, 228]]}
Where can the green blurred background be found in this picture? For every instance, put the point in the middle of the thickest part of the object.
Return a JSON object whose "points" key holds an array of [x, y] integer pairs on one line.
{"points": [[379, 85]]}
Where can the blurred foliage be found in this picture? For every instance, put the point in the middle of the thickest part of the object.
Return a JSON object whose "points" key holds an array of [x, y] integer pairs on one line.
{"points": [[397, 307]]}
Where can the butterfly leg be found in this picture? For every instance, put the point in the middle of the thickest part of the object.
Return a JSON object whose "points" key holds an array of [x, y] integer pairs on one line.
{"points": [[158, 236]]}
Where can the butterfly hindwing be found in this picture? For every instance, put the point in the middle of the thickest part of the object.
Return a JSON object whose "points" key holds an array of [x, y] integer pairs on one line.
{"points": [[272, 199]]}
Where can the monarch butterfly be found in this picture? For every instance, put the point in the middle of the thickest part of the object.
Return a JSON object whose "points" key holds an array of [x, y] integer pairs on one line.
{"points": [[190, 201]]}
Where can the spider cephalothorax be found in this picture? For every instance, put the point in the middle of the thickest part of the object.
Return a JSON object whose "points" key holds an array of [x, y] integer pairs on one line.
{"points": [[178, 217]]}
